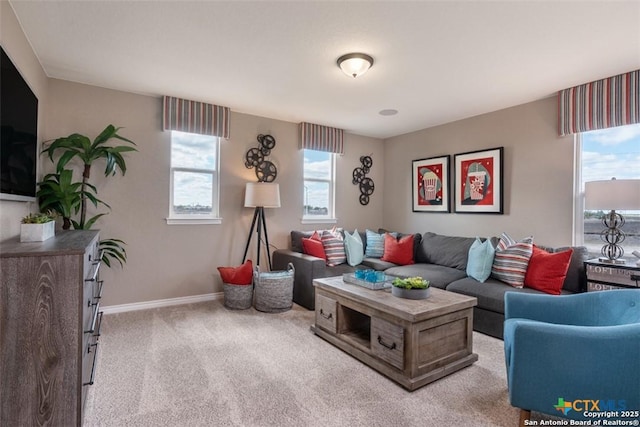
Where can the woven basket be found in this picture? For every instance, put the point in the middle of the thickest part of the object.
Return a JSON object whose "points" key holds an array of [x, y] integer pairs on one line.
{"points": [[274, 290], [238, 297]]}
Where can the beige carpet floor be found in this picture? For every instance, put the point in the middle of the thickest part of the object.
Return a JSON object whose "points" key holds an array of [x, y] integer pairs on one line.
{"points": [[204, 365]]}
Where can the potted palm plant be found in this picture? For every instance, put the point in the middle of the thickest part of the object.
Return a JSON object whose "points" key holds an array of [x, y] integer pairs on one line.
{"points": [[58, 192]]}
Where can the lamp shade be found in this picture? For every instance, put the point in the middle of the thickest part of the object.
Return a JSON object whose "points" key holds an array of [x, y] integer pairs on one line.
{"points": [[355, 64], [262, 194], [613, 194]]}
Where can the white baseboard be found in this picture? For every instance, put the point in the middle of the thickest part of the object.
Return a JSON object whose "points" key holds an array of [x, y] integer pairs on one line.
{"points": [[121, 308]]}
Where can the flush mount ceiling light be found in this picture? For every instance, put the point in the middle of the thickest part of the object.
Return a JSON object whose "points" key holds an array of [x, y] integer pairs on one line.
{"points": [[355, 64]]}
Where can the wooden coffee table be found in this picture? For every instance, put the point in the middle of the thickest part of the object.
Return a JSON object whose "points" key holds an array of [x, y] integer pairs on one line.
{"points": [[413, 342]]}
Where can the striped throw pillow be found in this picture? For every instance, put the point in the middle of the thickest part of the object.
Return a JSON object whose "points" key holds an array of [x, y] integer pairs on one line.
{"points": [[375, 245], [511, 260], [333, 244]]}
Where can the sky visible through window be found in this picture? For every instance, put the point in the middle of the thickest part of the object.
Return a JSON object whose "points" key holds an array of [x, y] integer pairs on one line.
{"points": [[609, 153], [613, 152], [194, 152], [317, 165]]}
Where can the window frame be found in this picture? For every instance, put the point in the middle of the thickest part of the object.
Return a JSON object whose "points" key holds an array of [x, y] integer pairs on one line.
{"points": [[181, 219], [330, 218], [578, 199]]}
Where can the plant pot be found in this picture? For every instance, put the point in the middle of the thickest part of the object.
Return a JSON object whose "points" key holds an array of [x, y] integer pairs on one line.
{"points": [[410, 293], [37, 232]]}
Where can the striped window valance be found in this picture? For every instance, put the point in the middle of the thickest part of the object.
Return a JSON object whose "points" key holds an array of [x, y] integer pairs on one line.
{"points": [[321, 138], [599, 105], [195, 117]]}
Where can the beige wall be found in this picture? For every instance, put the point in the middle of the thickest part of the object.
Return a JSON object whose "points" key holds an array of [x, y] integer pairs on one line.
{"points": [[168, 261], [538, 169], [18, 49]]}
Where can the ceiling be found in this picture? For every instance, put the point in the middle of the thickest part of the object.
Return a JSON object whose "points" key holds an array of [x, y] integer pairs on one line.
{"points": [[435, 61]]}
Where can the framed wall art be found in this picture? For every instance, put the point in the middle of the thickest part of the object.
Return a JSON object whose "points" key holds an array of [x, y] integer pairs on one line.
{"points": [[479, 182], [431, 184]]}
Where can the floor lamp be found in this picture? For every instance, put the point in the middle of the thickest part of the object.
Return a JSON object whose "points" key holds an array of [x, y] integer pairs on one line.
{"points": [[260, 195]]}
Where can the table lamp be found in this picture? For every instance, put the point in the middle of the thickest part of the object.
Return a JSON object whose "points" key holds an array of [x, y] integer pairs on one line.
{"points": [[612, 195]]}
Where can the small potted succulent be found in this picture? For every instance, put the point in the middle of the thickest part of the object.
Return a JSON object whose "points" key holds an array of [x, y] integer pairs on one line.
{"points": [[411, 288], [37, 227]]}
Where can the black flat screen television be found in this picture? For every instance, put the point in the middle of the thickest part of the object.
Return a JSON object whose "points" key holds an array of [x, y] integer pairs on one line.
{"points": [[18, 134]]}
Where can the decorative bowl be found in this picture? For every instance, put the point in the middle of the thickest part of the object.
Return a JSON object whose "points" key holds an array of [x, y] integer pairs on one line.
{"points": [[410, 293]]}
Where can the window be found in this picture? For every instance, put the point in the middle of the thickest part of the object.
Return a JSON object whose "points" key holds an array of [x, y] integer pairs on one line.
{"points": [[319, 186], [603, 154], [194, 178]]}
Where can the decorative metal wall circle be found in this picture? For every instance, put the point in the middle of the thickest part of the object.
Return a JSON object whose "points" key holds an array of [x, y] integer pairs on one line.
{"points": [[360, 178], [253, 158], [266, 170], [366, 186]]}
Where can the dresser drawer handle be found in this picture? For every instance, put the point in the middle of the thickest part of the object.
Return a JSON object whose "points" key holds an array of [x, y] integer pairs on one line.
{"points": [[100, 283], [635, 278], [93, 364], [94, 276], [96, 312], [326, 316], [384, 344], [96, 332]]}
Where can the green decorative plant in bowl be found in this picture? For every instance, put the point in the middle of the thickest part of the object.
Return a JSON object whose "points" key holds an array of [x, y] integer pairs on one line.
{"points": [[411, 288], [38, 218], [37, 227]]}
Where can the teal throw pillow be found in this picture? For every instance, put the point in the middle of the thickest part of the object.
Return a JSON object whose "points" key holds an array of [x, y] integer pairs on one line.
{"points": [[354, 248], [375, 245], [480, 260]]}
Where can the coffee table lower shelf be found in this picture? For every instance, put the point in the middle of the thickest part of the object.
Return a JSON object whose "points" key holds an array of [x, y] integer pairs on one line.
{"points": [[411, 342]]}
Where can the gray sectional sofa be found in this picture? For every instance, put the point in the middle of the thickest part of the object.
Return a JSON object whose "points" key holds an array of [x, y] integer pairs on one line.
{"points": [[440, 259]]}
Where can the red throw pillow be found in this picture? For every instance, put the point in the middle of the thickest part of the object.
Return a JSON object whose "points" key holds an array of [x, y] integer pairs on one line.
{"points": [[398, 251], [547, 271], [242, 275], [313, 246]]}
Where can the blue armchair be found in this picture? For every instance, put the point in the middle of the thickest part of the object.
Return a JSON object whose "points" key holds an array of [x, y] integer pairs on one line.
{"points": [[574, 356]]}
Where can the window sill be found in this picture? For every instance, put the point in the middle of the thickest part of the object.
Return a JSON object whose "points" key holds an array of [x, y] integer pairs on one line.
{"points": [[193, 221], [319, 221]]}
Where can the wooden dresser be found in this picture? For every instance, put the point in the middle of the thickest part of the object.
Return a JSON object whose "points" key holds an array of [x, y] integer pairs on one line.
{"points": [[49, 327]]}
